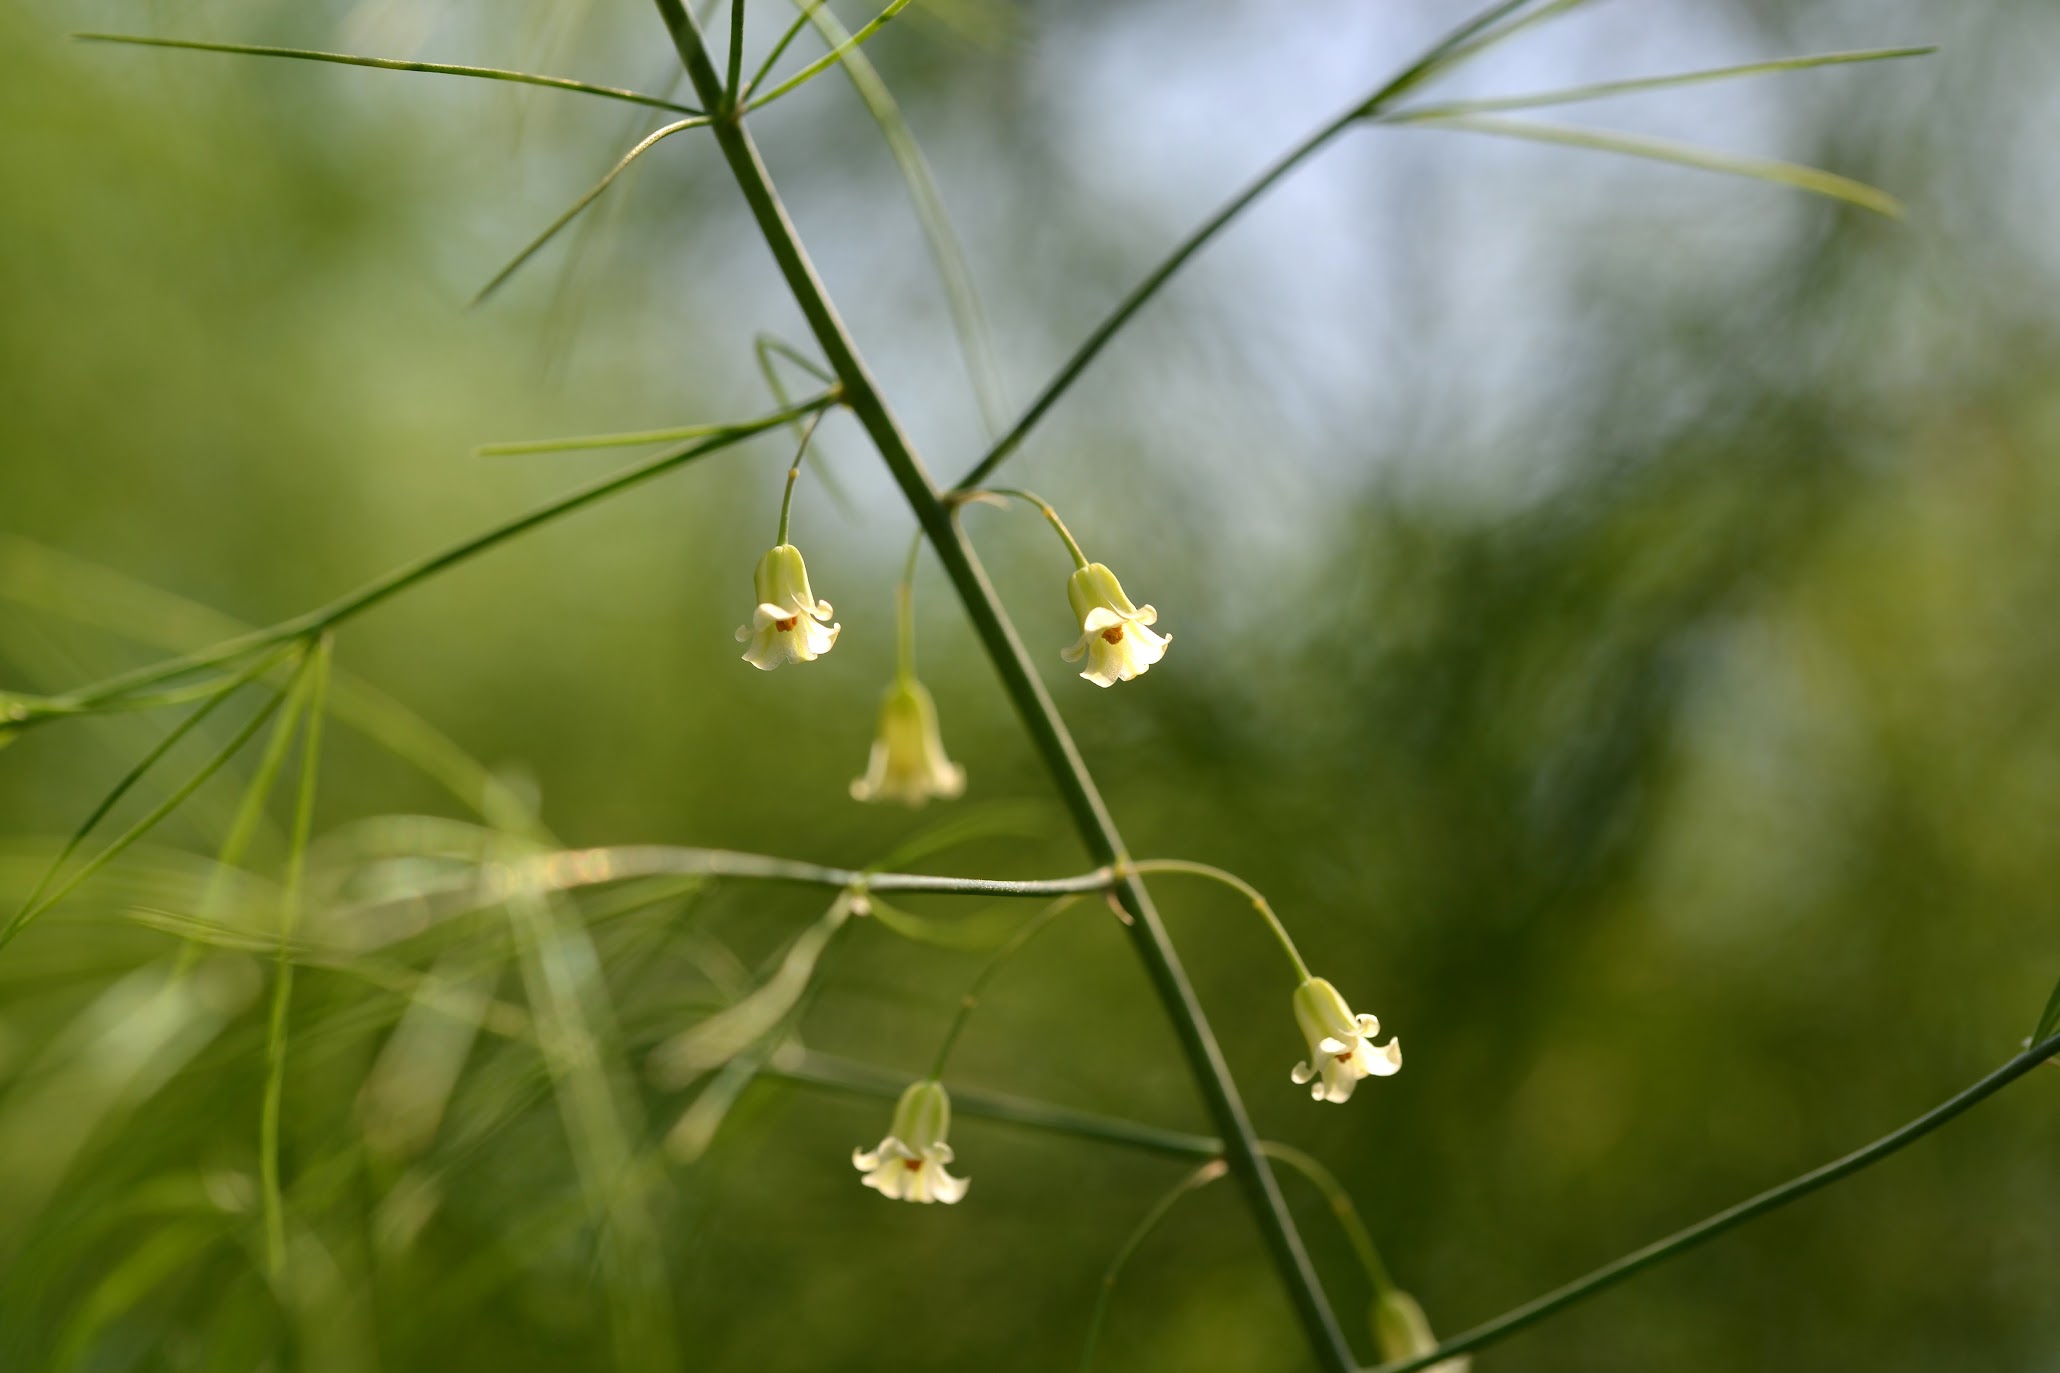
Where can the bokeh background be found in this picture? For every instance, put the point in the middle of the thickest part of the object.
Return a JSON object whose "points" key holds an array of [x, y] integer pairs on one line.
{"points": [[1615, 623]]}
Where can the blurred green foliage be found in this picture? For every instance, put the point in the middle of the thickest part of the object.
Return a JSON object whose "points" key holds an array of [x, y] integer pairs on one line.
{"points": [[1634, 681]]}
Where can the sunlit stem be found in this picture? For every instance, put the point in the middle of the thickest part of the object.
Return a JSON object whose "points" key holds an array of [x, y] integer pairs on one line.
{"points": [[1326, 1182], [1031, 928], [313, 692], [1044, 506], [794, 474], [1193, 1182], [1251, 893]]}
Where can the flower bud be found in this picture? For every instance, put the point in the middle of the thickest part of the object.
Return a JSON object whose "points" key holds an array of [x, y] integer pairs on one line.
{"points": [[908, 763], [1401, 1331]]}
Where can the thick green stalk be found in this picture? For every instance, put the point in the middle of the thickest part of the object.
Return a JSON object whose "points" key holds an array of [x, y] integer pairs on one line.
{"points": [[1047, 731]]}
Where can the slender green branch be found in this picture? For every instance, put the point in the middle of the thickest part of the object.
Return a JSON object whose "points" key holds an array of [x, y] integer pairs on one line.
{"points": [[831, 59], [1031, 928], [1603, 90], [1610, 1274], [1340, 1200], [779, 50], [310, 693], [1236, 883], [1033, 703], [1397, 86], [767, 347], [593, 193], [635, 438], [1811, 179], [1163, 1207], [409, 574], [968, 319], [1045, 507], [794, 474], [812, 1069], [558, 83]]}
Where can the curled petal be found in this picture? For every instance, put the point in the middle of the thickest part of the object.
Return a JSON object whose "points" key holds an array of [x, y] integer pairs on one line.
{"points": [[1099, 619]]}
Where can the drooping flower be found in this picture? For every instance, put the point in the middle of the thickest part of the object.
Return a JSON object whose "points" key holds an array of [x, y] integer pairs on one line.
{"points": [[790, 624], [909, 1164], [1341, 1047], [1402, 1331], [908, 763], [1114, 634]]}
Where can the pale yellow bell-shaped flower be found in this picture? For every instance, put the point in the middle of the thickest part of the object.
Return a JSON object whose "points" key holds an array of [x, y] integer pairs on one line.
{"points": [[1114, 634], [1402, 1331], [1341, 1047], [790, 625], [908, 763], [909, 1164]]}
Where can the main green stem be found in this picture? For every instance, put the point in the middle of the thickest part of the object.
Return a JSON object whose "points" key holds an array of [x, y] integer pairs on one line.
{"points": [[1040, 717]]}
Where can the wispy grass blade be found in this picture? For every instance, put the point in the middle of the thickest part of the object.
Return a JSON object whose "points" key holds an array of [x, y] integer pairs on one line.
{"points": [[1603, 90], [32, 905], [1193, 1182], [1811, 179], [310, 703], [593, 193], [557, 83], [1471, 37], [634, 439], [829, 59], [968, 319], [28, 913], [1486, 36], [64, 584]]}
